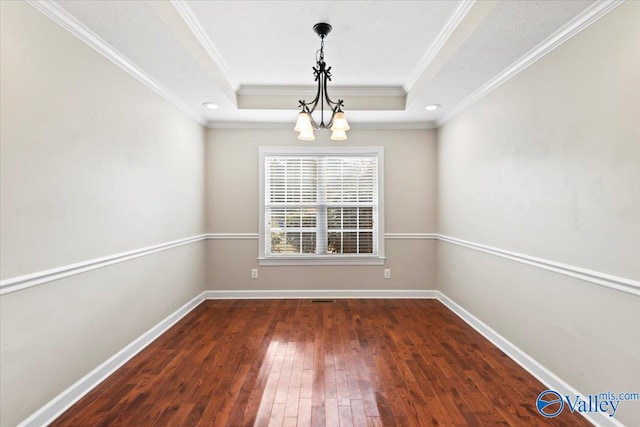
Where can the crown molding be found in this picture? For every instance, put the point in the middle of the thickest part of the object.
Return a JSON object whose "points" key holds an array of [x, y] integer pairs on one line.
{"points": [[196, 28], [296, 90], [56, 13], [452, 22], [573, 27], [394, 125], [249, 125], [289, 125], [60, 16]]}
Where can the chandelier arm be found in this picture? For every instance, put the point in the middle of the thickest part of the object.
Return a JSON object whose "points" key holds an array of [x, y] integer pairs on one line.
{"points": [[323, 91], [314, 103], [305, 109], [314, 125], [318, 74], [333, 105]]}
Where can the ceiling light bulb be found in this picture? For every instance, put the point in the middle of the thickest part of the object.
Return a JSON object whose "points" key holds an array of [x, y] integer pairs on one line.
{"points": [[338, 135], [432, 107], [306, 135], [210, 105], [340, 122], [303, 123]]}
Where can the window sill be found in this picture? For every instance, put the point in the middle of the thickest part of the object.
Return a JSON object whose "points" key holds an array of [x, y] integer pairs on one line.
{"points": [[322, 260]]}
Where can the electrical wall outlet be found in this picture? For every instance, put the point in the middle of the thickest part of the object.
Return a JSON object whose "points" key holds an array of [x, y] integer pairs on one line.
{"points": [[387, 273], [254, 273]]}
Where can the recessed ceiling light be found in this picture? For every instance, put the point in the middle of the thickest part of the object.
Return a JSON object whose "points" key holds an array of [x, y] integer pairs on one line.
{"points": [[210, 105], [432, 107]]}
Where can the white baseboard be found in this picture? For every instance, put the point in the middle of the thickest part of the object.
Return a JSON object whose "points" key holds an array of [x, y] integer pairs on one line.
{"points": [[52, 410], [71, 395], [337, 294], [544, 375]]}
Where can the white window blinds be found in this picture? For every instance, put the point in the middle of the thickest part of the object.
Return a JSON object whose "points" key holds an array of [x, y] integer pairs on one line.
{"points": [[321, 205]]}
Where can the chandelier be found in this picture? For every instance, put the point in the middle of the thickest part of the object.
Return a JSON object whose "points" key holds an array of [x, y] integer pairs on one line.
{"points": [[322, 74]]}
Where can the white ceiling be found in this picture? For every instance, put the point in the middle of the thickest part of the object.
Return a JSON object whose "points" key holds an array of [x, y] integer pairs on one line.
{"points": [[389, 59]]}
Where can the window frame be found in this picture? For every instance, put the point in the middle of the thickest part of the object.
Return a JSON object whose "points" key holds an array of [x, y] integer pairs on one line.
{"points": [[320, 259]]}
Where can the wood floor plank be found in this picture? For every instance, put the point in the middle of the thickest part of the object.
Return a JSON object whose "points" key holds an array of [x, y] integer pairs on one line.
{"points": [[306, 383], [277, 415], [290, 362], [293, 401], [317, 416], [359, 416], [304, 412], [345, 416], [331, 414]]}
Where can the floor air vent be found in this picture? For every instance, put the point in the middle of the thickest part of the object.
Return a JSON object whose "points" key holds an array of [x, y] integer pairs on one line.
{"points": [[322, 301]]}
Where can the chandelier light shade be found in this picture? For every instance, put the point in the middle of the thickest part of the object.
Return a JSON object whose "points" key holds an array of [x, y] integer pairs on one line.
{"points": [[340, 122], [337, 122], [338, 135], [306, 135], [303, 123]]}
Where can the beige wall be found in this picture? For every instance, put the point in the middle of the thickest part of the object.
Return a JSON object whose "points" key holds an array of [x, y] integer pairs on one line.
{"points": [[93, 163], [52, 335], [548, 165], [232, 207]]}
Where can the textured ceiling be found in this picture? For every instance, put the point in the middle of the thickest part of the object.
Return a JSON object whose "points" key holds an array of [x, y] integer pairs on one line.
{"points": [[275, 44], [390, 58]]}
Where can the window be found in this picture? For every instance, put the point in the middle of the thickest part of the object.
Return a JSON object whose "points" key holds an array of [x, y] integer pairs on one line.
{"points": [[321, 205]]}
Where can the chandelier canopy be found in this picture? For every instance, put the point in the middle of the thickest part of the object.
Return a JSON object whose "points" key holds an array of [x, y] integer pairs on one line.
{"points": [[322, 74]]}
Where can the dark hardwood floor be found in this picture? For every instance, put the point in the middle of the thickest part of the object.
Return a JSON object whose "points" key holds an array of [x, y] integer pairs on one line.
{"points": [[294, 363]]}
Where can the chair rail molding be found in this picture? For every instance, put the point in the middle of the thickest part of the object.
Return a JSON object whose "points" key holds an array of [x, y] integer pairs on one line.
{"points": [[610, 281], [603, 279], [41, 277]]}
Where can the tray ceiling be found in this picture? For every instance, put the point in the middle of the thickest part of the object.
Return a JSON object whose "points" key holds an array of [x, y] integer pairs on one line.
{"points": [[390, 58]]}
